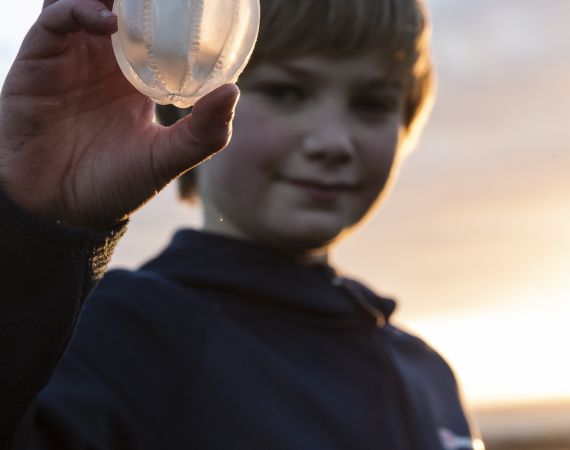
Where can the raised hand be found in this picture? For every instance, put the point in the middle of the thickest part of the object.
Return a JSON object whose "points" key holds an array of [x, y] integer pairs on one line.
{"points": [[77, 141]]}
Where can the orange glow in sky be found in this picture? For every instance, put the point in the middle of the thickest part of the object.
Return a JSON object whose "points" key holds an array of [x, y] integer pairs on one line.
{"points": [[509, 354]]}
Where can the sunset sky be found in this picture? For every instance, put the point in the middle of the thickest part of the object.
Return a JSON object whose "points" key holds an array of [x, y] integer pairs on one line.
{"points": [[475, 239]]}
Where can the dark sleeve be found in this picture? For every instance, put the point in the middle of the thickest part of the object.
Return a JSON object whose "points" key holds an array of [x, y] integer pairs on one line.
{"points": [[119, 384], [46, 272]]}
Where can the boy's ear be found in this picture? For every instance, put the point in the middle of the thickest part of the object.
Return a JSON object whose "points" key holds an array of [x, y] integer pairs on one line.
{"points": [[169, 114]]}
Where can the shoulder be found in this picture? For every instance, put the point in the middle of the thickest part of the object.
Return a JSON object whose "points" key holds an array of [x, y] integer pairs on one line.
{"points": [[148, 289], [409, 341], [146, 301], [415, 354]]}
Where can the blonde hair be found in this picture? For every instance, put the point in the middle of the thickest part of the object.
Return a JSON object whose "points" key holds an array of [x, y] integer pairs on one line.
{"points": [[397, 29]]}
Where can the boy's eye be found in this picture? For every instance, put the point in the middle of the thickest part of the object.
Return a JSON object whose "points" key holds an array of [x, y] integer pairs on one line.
{"points": [[375, 106], [283, 93]]}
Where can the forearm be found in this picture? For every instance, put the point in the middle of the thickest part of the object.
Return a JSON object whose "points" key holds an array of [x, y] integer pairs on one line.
{"points": [[45, 274]]}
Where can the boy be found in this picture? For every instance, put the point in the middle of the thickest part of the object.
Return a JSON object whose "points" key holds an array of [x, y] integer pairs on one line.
{"points": [[240, 335]]}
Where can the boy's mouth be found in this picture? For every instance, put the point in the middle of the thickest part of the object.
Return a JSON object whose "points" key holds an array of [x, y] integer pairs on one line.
{"points": [[321, 191]]}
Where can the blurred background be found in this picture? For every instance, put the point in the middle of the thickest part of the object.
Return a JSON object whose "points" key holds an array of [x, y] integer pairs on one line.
{"points": [[474, 242]]}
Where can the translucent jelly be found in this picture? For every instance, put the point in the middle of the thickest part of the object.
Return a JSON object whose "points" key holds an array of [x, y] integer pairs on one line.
{"points": [[176, 51]]}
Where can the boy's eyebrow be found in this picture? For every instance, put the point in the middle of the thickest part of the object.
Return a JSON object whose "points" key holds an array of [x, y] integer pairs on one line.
{"points": [[382, 83], [373, 82], [298, 72]]}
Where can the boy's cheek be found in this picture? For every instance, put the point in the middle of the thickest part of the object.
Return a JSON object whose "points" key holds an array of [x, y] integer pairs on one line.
{"points": [[381, 157]]}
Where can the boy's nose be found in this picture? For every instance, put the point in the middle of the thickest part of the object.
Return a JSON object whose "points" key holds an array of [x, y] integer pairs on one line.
{"points": [[329, 142]]}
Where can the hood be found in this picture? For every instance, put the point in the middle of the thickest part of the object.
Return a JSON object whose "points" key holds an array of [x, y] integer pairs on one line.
{"points": [[199, 259]]}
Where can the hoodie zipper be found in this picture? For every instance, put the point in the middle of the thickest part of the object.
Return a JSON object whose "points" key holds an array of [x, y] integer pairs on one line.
{"points": [[400, 398]]}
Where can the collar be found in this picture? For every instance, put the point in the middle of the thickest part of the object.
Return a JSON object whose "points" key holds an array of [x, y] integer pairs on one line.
{"points": [[200, 259]]}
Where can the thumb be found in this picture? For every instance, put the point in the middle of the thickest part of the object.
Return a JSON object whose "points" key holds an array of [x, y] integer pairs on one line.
{"points": [[199, 135]]}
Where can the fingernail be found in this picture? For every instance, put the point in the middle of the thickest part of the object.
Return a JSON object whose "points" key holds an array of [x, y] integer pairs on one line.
{"points": [[233, 105], [106, 14], [236, 101], [227, 113]]}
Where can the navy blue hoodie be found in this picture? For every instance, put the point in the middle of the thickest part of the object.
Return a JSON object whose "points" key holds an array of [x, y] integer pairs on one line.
{"points": [[220, 344]]}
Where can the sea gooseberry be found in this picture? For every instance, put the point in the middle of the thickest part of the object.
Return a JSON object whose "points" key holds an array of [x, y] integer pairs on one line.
{"points": [[176, 51]]}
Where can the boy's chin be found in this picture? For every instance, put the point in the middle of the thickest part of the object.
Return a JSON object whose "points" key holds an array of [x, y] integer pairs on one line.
{"points": [[310, 240]]}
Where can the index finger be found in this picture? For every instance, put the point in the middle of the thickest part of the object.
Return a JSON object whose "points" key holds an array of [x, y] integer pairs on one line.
{"points": [[49, 35], [107, 3]]}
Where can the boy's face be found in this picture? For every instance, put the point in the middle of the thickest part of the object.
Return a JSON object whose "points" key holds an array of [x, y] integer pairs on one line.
{"points": [[314, 144]]}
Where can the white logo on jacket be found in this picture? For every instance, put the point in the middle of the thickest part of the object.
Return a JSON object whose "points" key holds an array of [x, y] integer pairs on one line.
{"points": [[451, 441]]}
